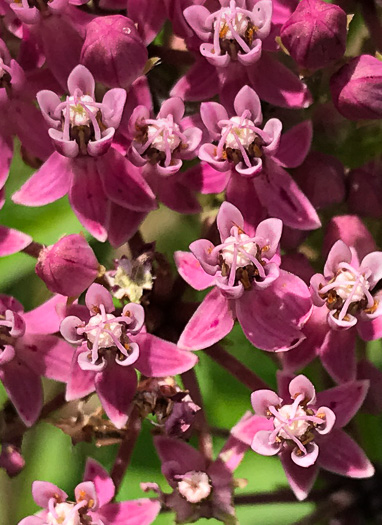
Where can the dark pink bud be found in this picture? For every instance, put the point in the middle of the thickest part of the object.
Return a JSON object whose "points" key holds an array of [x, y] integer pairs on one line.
{"points": [[357, 88], [69, 266], [114, 51], [315, 34]]}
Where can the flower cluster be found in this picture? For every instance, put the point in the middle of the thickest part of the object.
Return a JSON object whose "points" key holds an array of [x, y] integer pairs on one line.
{"points": [[237, 113]]}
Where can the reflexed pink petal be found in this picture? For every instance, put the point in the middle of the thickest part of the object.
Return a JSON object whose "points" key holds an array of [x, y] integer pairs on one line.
{"points": [[181, 454], [202, 250], [207, 153], [301, 480], [212, 321], [262, 399], [308, 459], [116, 386], [23, 388], [49, 183], [190, 270], [81, 382], [46, 355], [290, 156], [136, 512], [196, 15], [45, 319], [351, 230], [172, 106], [262, 445], [87, 491], [43, 491], [115, 100], [273, 129], [341, 455], [123, 182], [345, 400], [12, 241], [337, 354], [104, 485], [199, 83], [158, 358], [329, 420], [87, 197], [302, 385], [272, 320], [269, 231], [373, 261], [276, 84], [284, 199]]}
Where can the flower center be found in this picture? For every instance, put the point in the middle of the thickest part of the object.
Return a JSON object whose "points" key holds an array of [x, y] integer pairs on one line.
{"points": [[297, 424], [64, 514], [233, 29], [81, 110], [241, 250], [103, 330], [194, 486], [164, 133], [347, 293], [239, 141]]}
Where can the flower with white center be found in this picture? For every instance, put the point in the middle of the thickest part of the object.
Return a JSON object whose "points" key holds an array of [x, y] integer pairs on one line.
{"points": [[195, 486], [239, 130], [232, 22], [296, 424], [163, 134], [63, 514]]}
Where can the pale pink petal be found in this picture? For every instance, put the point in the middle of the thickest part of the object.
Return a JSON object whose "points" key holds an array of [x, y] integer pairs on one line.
{"points": [[339, 253], [373, 262], [116, 387], [43, 491], [97, 295], [228, 217], [190, 270], [211, 114], [81, 78], [159, 358], [268, 232], [172, 106], [262, 399], [196, 15], [302, 385], [308, 459], [212, 321], [262, 445]]}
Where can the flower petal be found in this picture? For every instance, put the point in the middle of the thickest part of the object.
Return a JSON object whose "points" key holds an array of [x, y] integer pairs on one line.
{"points": [[301, 480], [190, 270], [104, 485]]}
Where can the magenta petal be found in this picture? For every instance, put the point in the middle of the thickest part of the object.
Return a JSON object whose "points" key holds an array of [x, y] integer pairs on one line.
{"points": [[337, 354], [345, 400], [46, 355], [212, 321], [276, 84], [283, 198], [199, 83], [6, 154], [183, 455], [87, 197], [123, 182], [301, 480], [148, 16], [341, 455], [49, 183], [122, 223], [352, 231], [24, 390], [177, 196], [136, 512], [288, 154], [247, 427], [104, 485], [373, 400], [43, 491], [116, 387], [205, 179], [272, 320], [190, 270], [81, 382], [158, 358], [45, 319], [12, 241]]}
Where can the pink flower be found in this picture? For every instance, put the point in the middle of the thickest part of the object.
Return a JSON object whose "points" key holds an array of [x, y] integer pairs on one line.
{"points": [[110, 347], [270, 304], [92, 503], [305, 430], [107, 193], [29, 351]]}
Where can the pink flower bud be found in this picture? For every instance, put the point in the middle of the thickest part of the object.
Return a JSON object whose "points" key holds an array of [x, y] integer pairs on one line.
{"points": [[68, 267], [315, 34], [357, 88], [114, 51]]}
